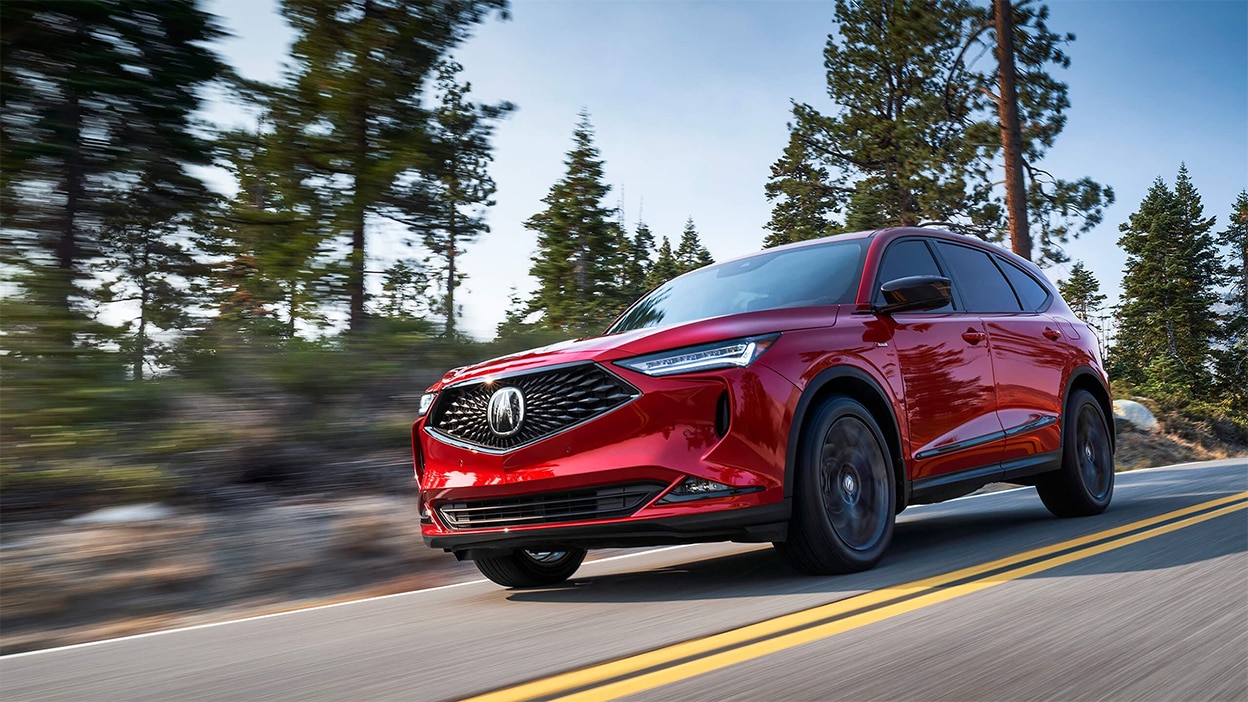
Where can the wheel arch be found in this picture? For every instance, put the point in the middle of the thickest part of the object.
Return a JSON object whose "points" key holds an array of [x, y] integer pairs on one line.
{"points": [[1084, 378], [858, 385]]}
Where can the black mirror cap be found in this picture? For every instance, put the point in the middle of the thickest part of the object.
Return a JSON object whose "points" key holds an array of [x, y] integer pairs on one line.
{"points": [[916, 292]]}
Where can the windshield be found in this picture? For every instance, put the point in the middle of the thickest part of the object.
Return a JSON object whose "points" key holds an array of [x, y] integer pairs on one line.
{"points": [[825, 274]]}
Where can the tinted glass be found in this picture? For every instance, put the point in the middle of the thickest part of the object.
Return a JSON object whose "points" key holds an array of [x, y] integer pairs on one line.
{"points": [[904, 259], [1031, 293], [826, 274], [976, 277]]}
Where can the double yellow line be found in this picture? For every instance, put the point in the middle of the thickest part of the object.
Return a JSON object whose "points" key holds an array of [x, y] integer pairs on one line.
{"points": [[646, 671]]}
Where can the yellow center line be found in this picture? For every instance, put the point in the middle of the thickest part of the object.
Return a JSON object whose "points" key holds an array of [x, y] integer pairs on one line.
{"points": [[743, 643]]}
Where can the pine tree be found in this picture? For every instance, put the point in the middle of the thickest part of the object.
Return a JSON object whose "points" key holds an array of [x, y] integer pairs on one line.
{"points": [[638, 263], [274, 271], [97, 97], [1082, 291], [916, 133], [1028, 96], [403, 290], [804, 202], [358, 71], [1232, 360], [691, 254], [665, 265], [149, 270], [1169, 290], [578, 244], [448, 202]]}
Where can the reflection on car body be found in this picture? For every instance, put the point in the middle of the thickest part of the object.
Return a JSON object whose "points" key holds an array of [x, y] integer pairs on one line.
{"points": [[802, 396]]}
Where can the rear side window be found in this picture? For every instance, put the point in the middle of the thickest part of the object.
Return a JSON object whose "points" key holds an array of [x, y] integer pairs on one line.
{"points": [[1032, 294], [978, 280], [904, 259]]}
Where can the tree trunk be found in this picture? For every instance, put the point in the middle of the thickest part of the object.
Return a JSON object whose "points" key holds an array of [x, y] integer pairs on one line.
{"points": [[356, 285], [1011, 134], [449, 330], [140, 339], [67, 243]]}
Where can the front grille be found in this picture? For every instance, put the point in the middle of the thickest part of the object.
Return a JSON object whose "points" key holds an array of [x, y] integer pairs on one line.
{"points": [[554, 400], [549, 507]]}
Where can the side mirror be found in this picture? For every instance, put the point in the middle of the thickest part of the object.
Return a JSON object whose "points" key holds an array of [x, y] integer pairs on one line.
{"points": [[917, 292]]}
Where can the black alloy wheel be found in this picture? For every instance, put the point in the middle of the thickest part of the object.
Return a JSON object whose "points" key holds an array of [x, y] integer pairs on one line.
{"points": [[1084, 485], [845, 492], [531, 568]]}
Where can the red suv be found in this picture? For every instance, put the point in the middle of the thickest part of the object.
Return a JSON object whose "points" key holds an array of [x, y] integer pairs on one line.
{"points": [[802, 396]]}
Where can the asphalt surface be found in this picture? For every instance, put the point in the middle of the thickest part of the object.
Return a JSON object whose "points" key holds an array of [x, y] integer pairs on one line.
{"points": [[1145, 605]]}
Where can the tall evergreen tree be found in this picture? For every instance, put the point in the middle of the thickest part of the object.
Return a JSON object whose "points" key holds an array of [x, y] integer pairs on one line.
{"points": [[149, 269], [98, 100], [804, 202], [1232, 361], [274, 271], [403, 289], [1169, 289], [358, 70], [1027, 95], [916, 132], [578, 244], [447, 202], [691, 254], [665, 265], [1082, 291], [638, 263]]}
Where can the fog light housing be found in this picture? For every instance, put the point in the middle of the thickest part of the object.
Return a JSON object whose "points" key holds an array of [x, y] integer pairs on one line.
{"points": [[692, 488]]}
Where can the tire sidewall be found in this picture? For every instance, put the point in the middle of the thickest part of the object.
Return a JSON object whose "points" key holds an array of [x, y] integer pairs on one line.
{"points": [[1070, 450], [811, 509]]}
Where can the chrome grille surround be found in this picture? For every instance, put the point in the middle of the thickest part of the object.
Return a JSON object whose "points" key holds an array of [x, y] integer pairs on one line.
{"points": [[556, 398]]}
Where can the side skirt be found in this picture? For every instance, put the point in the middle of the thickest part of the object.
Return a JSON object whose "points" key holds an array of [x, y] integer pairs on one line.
{"points": [[949, 486]]}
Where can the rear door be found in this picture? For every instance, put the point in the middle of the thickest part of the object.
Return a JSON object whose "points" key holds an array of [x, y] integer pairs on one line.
{"points": [[946, 368], [1027, 351]]}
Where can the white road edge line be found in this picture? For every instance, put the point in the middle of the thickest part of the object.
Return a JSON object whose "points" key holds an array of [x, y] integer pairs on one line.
{"points": [[301, 610], [258, 617]]}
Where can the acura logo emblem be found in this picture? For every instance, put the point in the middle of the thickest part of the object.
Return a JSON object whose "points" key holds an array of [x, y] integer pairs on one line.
{"points": [[506, 411]]}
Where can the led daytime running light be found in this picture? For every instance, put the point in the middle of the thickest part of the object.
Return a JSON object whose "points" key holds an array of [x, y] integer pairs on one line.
{"points": [[736, 352]]}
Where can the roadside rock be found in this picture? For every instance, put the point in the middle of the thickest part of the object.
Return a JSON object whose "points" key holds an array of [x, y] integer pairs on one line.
{"points": [[1136, 415]]}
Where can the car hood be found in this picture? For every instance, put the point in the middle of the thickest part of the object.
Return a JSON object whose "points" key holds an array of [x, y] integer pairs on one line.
{"points": [[638, 342]]}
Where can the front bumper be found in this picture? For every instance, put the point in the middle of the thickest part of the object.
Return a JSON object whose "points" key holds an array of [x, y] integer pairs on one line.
{"points": [[758, 524], [665, 435]]}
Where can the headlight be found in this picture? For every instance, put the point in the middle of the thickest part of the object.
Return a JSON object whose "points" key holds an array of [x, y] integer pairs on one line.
{"points": [[426, 401], [722, 354]]}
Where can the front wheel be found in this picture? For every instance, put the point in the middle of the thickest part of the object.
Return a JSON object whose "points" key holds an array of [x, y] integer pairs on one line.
{"points": [[844, 496], [1085, 483], [531, 568]]}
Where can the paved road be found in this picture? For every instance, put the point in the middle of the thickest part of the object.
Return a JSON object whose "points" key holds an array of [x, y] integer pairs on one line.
{"points": [[981, 598]]}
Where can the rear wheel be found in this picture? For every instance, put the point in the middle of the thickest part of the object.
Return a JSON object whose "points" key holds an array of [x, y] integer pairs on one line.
{"points": [[844, 496], [1085, 483], [531, 568]]}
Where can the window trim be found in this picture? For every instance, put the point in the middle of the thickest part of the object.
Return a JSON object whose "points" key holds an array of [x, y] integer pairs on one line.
{"points": [[957, 290], [1002, 262], [942, 269]]}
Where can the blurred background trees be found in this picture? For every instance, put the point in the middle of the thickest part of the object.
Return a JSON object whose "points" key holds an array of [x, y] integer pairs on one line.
{"points": [[164, 337]]}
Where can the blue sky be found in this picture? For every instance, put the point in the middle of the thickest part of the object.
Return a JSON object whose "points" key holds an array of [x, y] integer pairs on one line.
{"points": [[690, 99]]}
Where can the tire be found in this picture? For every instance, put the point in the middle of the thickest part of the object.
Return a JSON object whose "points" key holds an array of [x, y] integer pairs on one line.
{"points": [[531, 568], [844, 496], [1084, 485]]}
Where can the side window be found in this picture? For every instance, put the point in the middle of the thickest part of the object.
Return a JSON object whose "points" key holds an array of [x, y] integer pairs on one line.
{"points": [[981, 284], [904, 259], [1032, 294]]}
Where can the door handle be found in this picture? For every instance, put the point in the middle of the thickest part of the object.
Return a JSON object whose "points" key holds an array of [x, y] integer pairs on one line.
{"points": [[1052, 334], [971, 336]]}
